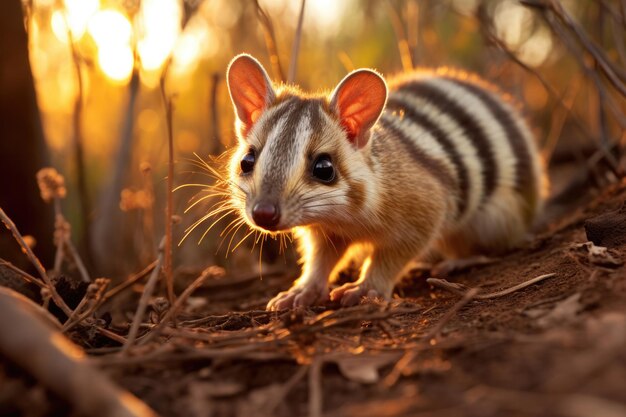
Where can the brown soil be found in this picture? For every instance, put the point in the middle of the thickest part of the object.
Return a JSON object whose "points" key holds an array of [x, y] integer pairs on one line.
{"points": [[555, 348]]}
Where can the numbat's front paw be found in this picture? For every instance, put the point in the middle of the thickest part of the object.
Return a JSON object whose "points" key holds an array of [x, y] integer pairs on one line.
{"points": [[350, 294], [298, 297]]}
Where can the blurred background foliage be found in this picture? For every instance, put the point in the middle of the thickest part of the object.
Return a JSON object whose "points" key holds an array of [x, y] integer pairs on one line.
{"points": [[98, 64]]}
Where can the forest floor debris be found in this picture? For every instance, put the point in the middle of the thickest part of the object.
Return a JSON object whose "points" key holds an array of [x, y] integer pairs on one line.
{"points": [[540, 331]]}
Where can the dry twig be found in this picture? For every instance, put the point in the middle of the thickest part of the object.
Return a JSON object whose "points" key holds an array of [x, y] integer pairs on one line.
{"points": [[460, 289], [81, 172], [270, 41], [401, 36], [130, 281], [174, 309], [410, 355], [295, 49], [143, 301], [52, 188], [315, 388], [215, 121], [169, 208], [92, 300], [273, 402], [36, 263], [27, 277]]}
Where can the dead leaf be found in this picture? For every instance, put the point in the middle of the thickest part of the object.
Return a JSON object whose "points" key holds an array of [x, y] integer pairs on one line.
{"points": [[598, 255], [364, 368], [563, 311]]}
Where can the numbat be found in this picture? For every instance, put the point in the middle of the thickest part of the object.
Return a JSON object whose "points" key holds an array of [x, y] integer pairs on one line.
{"points": [[380, 173]]}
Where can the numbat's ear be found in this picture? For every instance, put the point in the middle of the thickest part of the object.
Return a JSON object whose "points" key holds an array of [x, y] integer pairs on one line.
{"points": [[250, 89], [358, 100]]}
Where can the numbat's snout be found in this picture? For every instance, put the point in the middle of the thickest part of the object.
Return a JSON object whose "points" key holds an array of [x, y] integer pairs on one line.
{"points": [[438, 161]]}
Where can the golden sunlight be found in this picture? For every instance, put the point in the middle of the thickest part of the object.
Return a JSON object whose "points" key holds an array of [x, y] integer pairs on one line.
{"points": [[116, 61], [158, 26], [110, 27], [112, 33], [78, 13]]}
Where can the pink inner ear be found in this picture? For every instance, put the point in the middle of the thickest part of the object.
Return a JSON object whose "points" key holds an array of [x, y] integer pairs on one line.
{"points": [[359, 101], [352, 128], [249, 89]]}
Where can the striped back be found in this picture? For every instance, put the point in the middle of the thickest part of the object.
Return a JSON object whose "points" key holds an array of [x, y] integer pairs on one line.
{"points": [[468, 135]]}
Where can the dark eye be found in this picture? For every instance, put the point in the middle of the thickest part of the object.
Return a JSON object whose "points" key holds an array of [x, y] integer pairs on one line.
{"points": [[247, 162], [323, 169]]}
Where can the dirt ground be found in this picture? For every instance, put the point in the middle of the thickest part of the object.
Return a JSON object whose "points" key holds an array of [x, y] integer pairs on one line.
{"points": [[554, 348]]}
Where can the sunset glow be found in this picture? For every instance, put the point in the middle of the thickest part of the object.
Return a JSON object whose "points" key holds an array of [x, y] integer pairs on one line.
{"points": [[116, 61], [114, 39], [112, 33], [157, 29], [110, 27], [78, 14]]}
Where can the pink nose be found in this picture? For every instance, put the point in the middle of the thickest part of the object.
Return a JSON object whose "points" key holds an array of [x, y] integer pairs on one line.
{"points": [[265, 214]]}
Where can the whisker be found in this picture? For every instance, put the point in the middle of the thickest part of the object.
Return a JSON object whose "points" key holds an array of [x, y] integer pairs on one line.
{"points": [[213, 224], [198, 201], [322, 205], [236, 221], [192, 185], [223, 207], [233, 236], [233, 227], [306, 198], [196, 223], [242, 240]]}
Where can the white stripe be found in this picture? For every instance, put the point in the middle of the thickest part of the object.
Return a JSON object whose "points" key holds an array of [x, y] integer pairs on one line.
{"points": [[503, 153], [423, 140], [461, 142]]}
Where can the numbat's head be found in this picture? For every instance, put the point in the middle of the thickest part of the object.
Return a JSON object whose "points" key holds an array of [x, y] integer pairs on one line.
{"points": [[302, 159]]}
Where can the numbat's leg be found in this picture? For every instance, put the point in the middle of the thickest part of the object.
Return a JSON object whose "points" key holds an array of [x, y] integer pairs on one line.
{"points": [[319, 254], [378, 277]]}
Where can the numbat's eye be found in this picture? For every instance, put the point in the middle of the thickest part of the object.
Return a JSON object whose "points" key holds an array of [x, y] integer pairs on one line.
{"points": [[323, 169], [247, 162]]}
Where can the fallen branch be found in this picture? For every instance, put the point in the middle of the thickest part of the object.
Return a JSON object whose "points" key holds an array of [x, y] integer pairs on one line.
{"points": [[58, 364], [460, 289]]}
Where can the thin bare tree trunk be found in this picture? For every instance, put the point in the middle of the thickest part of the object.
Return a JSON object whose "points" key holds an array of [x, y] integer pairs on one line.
{"points": [[22, 147]]}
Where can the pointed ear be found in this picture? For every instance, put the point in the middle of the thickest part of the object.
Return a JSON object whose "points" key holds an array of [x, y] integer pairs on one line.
{"points": [[358, 100], [250, 89]]}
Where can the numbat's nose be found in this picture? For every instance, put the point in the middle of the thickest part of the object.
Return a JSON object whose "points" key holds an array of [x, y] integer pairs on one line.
{"points": [[265, 215]]}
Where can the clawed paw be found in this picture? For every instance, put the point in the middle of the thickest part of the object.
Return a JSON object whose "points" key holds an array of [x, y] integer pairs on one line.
{"points": [[298, 296], [350, 294]]}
